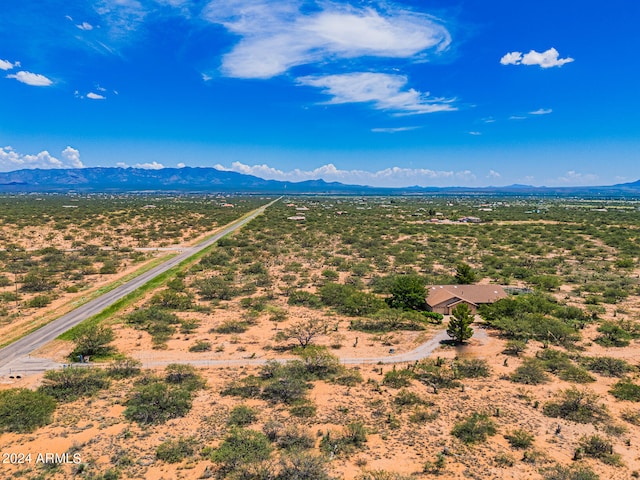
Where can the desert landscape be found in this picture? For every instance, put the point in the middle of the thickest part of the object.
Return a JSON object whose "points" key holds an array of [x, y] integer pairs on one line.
{"points": [[287, 349]]}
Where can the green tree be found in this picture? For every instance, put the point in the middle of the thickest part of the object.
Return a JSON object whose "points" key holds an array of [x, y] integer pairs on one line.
{"points": [[241, 447], [465, 274], [408, 293], [23, 410], [93, 341], [459, 325]]}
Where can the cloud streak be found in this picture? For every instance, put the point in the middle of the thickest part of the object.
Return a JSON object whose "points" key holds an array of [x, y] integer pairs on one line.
{"points": [[393, 129], [541, 111], [388, 177], [12, 160], [277, 36], [384, 91], [547, 59]]}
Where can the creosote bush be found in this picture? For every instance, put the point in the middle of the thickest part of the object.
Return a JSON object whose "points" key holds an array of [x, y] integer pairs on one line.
{"points": [[175, 451], [579, 406], [71, 383], [626, 390], [475, 428]]}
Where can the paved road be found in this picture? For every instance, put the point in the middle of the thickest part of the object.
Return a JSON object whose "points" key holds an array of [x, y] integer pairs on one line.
{"points": [[16, 357]]}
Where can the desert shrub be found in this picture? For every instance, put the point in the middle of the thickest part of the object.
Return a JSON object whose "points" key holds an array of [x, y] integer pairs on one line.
{"points": [[304, 298], [157, 322], [572, 472], [472, 368], [303, 465], [124, 368], [576, 405], [397, 378], [318, 362], [23, 410], [172, 300], [553, 360], [242, 415], [216, 288], [626, 390], [406, 397], [156, 402], [536, 316], [607, 366], [382, 475], [174, 451], [515, 347], [241, 447], [353, 437], [71, 383], [39, 301], [348, 377], [247, 387], [421, 415], [433, 317], [188, 325], [576, 374], [4, 281], [232, 326], [37, 280], [305, 331], [200, 346], [437, 374], [389, 320], [285, 389], [519, 439], [185, 376], [303, 409], [613, 335], [530, 372], [631, 416], [293, 438], [600, 448], [474, 429]]}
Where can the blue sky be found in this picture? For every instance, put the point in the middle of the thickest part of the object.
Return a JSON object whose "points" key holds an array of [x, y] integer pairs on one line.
{"points": [[389, 93]]}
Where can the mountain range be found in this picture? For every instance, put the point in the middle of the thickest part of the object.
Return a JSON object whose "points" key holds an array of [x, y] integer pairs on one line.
{"points": [[190, 179]]}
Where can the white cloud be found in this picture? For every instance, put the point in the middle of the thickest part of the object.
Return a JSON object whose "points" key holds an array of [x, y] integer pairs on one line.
{"points": [[513, 58], [12, 160], [493, 174], [517, 117], [95, 96], [7, 65], [576, 178], [393, 129], [33, 79], [206, 77], [276, 36], [475, 133], [149, 165], [385, 91], [72, 157], [181, 165], [122, 165], [541, 111], [85, 26], [388, 177], [547, 59]]}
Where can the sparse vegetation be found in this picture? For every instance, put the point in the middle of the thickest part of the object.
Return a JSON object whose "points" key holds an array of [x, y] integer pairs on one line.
{"points": [[475, 428]]}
